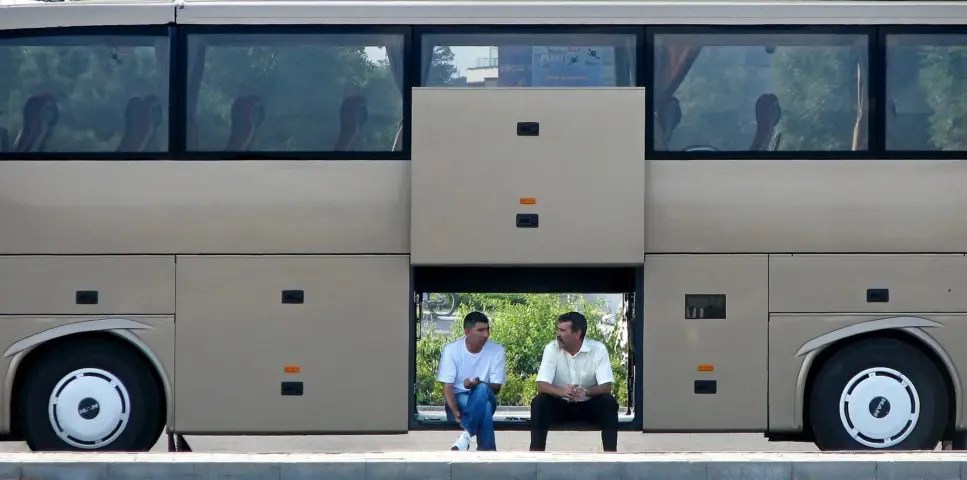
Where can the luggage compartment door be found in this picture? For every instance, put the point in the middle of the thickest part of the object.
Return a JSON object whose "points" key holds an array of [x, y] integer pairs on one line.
{"points": [[526, 176]]}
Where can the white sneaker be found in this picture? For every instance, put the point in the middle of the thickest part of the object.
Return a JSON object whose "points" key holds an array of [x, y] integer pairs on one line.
{"points": [[462, 443]]}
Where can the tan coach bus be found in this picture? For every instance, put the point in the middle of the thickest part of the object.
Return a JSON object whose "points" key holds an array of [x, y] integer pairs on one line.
{"points": [[221, 218]]}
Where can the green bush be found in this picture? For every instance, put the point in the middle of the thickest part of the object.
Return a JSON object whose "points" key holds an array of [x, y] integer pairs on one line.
{"points": [[523, 324]]}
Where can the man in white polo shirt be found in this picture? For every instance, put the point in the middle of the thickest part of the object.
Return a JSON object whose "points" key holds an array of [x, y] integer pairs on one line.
{"points": [[574, 382], [472, 370]]}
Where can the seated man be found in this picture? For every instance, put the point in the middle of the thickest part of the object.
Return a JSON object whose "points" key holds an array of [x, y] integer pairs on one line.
{"points": [[574, 382], [472, 370]]}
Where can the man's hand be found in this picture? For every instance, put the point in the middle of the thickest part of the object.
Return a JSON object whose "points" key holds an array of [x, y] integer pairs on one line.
{"points": [[456, 415], [471, 382], [573, 392]]}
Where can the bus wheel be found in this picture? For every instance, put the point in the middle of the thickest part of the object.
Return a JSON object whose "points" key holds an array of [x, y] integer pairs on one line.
{"points": [[94, 395], [879, 393]]}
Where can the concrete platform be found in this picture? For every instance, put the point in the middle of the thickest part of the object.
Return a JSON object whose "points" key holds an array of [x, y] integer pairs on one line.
{"points": [[487, 465]]}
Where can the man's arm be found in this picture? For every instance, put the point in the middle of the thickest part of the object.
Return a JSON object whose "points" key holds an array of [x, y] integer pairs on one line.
{"points": [[499, 375], [447, 375], [602, 373], [550, 389], [451, 400], [599, 389]]}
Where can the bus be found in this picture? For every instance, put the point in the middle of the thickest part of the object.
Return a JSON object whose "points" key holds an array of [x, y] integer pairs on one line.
{"points": [[226, 217]]}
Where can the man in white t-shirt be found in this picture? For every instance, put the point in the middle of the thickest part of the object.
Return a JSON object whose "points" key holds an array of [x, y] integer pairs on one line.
{"points": [[574, 382], [472, 370]]}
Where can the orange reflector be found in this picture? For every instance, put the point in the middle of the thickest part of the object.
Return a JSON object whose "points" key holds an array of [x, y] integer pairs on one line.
{"points": [[706, 367], [293, 369], [528, 201]]}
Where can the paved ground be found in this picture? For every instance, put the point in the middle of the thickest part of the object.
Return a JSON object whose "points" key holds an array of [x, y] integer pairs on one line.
{"points": [[629, 442], [429, 441], [426, 441]]}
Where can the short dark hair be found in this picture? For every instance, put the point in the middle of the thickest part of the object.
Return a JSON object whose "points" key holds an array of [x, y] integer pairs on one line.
{"points": [[474, 318], [578, 322]]}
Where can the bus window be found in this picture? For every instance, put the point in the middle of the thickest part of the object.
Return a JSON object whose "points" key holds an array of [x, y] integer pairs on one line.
{"points": [[301, 92], [760, 92], [924, 81], [84, 94], [528, 60]]}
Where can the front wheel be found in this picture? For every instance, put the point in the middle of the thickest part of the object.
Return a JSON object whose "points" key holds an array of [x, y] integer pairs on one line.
{"points": [[879, 394], [94, 395], [443, 304]]}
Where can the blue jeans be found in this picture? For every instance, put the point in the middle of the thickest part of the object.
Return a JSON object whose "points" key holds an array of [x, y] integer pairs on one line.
{"points": [[477, 409]]}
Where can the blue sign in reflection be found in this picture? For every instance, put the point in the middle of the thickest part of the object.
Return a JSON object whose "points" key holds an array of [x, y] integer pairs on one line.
{"points": [[532, 66]]}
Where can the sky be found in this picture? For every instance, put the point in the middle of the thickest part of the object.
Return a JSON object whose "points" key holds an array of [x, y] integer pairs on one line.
{"points": [[464, 57]]}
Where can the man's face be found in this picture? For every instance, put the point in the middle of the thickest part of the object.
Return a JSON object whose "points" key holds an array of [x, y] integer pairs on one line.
{"points": [[566, 336], [478, 333]]}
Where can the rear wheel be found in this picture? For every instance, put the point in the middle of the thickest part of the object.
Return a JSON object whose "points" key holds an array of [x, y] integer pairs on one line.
{"points": [[94, 395], [879, 394]]}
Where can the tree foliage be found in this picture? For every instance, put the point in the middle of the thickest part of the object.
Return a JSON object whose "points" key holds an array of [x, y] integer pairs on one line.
{"points": [[817, 88], [942, 87], [524, 324]]}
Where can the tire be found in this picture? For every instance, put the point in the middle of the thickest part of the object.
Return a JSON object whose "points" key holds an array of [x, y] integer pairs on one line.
{"points": [[899, 399], [103, 379], [447, 306]]}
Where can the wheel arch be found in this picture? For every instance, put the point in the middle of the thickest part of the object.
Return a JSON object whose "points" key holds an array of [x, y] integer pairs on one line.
{"points": [[24, 353], [909, 329]]}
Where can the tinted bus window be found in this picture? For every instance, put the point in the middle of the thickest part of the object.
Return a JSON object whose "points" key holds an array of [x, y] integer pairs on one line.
{"points": [[295, 92], [756, 92], [528, 60], [925, 82], [83, 94]]}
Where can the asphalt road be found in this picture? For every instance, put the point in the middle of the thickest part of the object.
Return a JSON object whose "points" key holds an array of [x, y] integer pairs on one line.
{"points": [[517, 441]]}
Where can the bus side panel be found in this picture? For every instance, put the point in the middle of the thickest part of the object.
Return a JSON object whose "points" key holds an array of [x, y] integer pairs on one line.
{"points": [[242, 207], [830, 206], [867, 283], [159, 340], [679, 397], [478, 171], [32, 285], [341, 321], [789, 332]]}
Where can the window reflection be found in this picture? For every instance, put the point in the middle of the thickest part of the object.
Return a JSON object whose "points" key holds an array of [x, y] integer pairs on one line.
{"points": [[528, 60], [757, 92], [84, 93], [925, 81]]}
